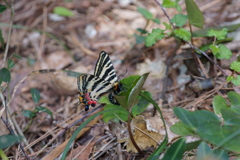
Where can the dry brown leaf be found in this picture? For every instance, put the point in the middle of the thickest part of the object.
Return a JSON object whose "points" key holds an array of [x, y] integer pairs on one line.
{"points": [[143, 136]]}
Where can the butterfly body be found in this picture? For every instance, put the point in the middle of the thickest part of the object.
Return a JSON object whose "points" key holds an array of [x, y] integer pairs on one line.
{"points": [[104, 81]]}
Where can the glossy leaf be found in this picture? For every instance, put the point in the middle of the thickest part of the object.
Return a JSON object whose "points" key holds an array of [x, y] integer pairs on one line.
{"points": [[35, 95], [5, 75], [141, 105], [176, 150], [194, 14], [8, 140]]}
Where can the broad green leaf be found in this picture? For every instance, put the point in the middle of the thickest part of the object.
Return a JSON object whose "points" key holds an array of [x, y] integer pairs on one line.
{"points": [[218, 104], [128, 81], [229, 78], [5, 75], [221, 154], [133, 92], [29, 114], [44, 109], [115, 115], [234, 99], [183, 34], [230, 117], [218, 34], [169, 4], [181, 129], [176, 150], [151, 38], [179, 20], [142, 31], [148, 15], [204, 152], [139, 39], [178, 7], [236, 81], [1, 39], [235, 66], [215, 49], [192, 145], [35, 95], [10, 64], [8, 140], [204, 32], [141, 105], [0, 80], [2, 8], [62, 11], [194, 14], [17, 56], [224, 53], [156, 20]]}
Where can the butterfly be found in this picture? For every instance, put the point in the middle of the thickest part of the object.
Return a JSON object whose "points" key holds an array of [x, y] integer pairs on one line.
{"points": [[104, 81]]}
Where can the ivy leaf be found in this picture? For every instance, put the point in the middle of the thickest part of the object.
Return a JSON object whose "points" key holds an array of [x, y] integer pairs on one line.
{"points": [[10, 64], [236, 81], [235, 66], [169, 4], [156, 34], [148, 15], [215, 49], [183, 34], [179, 20], [218, 34], [62, 11]]}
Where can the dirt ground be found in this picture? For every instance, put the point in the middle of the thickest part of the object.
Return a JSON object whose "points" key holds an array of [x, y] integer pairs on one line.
{"points": [[47, 41]]}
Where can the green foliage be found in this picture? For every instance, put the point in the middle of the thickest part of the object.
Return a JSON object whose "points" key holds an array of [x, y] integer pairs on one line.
{"points": [[148, 15], [5, 75], [8, 140], [179, 20], [2, 8], [218, 34], [221, 51], [44, 109], [1, 39], [183, 34], [35, 95], [235, 66], [224, 133], [29, 114], [181, 129], [236, 81], [194, 14], [62, 11], [139, 39], [156, 34], [17, 56], [176, 150], [10, 64], [169, 4]]}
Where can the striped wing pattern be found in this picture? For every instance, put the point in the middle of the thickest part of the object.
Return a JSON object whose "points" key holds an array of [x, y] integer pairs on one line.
{"points": [[104, 81]]}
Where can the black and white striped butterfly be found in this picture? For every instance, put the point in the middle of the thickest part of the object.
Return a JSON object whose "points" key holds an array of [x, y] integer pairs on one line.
{"points": [[104, 81]]}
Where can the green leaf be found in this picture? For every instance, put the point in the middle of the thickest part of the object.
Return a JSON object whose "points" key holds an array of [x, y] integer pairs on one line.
{"points": [[1, 39], [17, 56], [156, 20], [8, 140], [176, 150], [179, 20], [238, 58], [139, 39], [230, 78], [236, 81], [62, 11], [235, 66], [192, 145], [181, 129], [29, 114], [194, 14], [44, 109], [2, 8], [148, 15], [0, 80], [31, 61], [218, 34], [133, 92], [183, 34], [115, 115], [215, 49], [168, 26], [35, 95], [204, 152], [10, 64], [230, 117], [218, 104], [141, 105], [178, 7], [142, 31], [234, 99], [156, 34], [5, 75], [169, 4], [224, 53]]}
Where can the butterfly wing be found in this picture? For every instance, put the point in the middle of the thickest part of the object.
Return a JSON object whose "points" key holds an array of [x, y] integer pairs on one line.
{"points": [[104, 68]]}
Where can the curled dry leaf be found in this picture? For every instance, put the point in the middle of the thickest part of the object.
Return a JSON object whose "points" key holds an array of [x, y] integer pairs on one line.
{"points": [[144, 135]]}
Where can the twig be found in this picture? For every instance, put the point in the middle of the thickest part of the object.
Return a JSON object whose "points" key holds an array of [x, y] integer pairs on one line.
{"points": [[9, 32], [193, 47]]}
